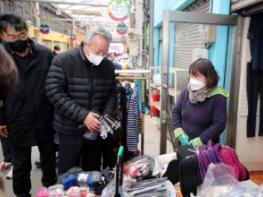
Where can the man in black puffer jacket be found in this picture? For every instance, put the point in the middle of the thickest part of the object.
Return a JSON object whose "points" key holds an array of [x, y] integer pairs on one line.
{"points": [[81, 85]]}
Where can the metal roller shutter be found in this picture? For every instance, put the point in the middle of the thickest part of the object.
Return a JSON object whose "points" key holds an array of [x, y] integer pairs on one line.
{"points": [[187, 38]]}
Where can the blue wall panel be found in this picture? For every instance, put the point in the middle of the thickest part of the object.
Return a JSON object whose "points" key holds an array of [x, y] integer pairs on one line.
{"points": [[218, 52], [159, 7]]}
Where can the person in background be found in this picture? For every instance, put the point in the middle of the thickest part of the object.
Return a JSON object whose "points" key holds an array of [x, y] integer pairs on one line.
{"points": [[56, 50], [27, 112], [81, 85], [200, 111]]}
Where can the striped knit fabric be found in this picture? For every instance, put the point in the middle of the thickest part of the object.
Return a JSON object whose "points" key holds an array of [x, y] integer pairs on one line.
{"points": [[133, 121]]}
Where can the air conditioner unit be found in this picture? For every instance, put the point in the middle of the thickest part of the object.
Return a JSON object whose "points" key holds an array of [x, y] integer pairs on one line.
{"points": [[208, 33], [132, 36], [132, 20], [133, 48]]}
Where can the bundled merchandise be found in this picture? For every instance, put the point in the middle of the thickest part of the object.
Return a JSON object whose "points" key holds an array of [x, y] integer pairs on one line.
{"points": [[108, 126], [58, 191], [206, 155], [140, 167], [194, 162], [77, 183], [158, 187], [142, 178], [94, 180], [190, 177]]}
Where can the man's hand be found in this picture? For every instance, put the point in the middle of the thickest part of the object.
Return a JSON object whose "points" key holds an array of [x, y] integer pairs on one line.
{"points": [[92, 122], [3, 131]]}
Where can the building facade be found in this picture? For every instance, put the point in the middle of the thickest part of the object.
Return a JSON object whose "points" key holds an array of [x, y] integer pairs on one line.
{"points": [[61, 25]]}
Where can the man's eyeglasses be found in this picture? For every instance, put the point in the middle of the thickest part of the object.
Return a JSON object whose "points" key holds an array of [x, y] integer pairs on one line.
{"points": [[20, 36]]}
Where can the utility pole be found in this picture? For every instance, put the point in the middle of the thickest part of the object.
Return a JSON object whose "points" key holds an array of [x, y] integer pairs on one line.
{"points": [[74, 32], [37, 22], [144, 51], [151, 51], [1, 6]]}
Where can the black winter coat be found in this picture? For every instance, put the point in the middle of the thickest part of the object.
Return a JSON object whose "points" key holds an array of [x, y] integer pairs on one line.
{"points": [[75, 86], [27, 112]]}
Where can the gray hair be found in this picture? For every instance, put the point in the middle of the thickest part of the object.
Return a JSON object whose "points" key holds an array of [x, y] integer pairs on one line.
{"points": [[99, 31]]}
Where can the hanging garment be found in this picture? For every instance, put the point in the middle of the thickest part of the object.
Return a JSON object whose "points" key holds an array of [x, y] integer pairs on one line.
{"points": [[121, 114], [133, 121], [255, 36], [255, 75], [254, 89]]}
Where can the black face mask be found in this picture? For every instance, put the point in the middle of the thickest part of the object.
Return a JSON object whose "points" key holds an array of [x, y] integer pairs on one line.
{"points": [[18, 46]]}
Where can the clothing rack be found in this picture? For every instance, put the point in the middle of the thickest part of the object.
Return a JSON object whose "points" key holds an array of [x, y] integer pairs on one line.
{"points": [[140, 76], [133, 78]]}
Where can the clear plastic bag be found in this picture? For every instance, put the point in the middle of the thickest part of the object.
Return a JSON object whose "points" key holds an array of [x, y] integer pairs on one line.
{"points": [[140, 167], [109, 190], [245, 189], [218, 181], [163, 162], [152, 187]]}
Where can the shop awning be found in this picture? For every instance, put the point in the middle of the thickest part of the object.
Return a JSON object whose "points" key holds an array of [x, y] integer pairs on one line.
{"points": [[247, 7]]}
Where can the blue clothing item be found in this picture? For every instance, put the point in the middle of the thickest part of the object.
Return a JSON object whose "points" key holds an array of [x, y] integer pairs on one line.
{"points": [[255, 35], [117, 66], [206, 120]]}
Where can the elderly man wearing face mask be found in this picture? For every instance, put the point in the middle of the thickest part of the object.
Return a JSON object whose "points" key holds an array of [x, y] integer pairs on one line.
{"points": [[81, 85], [27, 113], [200, 111]]}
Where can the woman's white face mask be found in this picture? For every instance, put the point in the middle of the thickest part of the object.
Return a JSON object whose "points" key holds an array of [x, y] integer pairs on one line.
{"points": [[196, 84], [95, 59]]}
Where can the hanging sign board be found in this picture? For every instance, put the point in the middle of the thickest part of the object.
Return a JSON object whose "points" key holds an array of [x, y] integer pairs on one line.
{"points": [[122, 29], [119, 10], [116, 48], [44, 28], [72, 36], [124, 40]]}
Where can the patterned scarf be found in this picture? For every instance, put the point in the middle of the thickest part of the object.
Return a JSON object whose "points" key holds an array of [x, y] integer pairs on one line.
{"points": [[197, 96]]}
